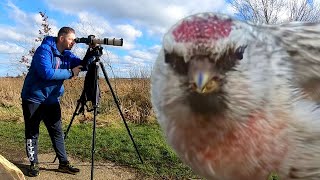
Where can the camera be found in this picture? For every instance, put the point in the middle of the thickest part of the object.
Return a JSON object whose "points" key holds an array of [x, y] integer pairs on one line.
{"points": [[107, 41]]}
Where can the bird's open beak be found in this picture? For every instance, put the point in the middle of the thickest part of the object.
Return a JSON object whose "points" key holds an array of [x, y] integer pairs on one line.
{"points": [[203, 82]]}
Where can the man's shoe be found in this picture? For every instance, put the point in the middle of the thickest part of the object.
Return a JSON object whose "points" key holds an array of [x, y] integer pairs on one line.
{"points": [[34, 170], [66, 167]]}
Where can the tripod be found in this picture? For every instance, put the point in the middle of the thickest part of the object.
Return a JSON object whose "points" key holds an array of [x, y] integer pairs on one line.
{"points": [[91, 80]]}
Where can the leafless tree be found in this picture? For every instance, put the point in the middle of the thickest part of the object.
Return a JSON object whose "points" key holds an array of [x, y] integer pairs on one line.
{"points": [[277, 11], [45, 30]]}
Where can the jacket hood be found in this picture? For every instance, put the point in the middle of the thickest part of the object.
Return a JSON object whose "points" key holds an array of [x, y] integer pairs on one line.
{"points": [[52, 42]]}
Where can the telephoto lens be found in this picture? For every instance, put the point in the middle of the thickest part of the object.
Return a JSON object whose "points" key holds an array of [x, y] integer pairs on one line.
{"points": [[107, 41]]}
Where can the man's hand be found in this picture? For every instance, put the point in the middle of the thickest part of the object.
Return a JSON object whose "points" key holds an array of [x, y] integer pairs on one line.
{"points": [[76, 70]]}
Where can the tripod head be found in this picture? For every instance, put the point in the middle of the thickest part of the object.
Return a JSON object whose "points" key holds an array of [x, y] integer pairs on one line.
{"points": [[93, 54], [97, 51]]}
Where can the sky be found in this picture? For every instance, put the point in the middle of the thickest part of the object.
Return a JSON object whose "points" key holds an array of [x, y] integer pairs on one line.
{"points": [[141, 24]]}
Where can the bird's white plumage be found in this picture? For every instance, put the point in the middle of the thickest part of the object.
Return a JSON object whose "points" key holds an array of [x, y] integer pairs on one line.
{"points": [[271, 118]]}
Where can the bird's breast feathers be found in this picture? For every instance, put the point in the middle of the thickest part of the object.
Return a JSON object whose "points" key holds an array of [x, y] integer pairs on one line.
{"points": [[216, 147]]}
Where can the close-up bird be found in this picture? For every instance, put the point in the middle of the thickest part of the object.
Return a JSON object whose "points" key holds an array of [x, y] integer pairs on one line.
{"points": [[239, 101]]}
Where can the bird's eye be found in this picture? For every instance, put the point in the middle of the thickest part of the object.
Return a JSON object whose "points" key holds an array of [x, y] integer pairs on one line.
{"points": [[177, 63], [230, 58], [239, 52]]}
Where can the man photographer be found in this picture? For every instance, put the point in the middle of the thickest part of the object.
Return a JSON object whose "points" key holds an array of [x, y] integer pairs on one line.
{"points": [[52, 63]]}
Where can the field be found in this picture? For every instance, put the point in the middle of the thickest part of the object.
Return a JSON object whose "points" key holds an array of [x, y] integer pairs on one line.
{"points": [[112, 142], [133, 95]]}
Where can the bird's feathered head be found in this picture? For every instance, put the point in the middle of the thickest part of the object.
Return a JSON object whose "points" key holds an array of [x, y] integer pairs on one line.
{"points": [[204, 48], [199, 53]]}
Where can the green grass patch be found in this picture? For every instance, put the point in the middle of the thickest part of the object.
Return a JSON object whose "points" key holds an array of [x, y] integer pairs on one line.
{"points": [[112, 143]]}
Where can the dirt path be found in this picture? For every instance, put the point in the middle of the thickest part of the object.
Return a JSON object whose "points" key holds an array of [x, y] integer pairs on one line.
{"points": [[48, 170]]}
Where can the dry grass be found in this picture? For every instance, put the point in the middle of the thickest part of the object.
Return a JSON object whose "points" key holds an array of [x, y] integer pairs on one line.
{"points": [[133, 95]]}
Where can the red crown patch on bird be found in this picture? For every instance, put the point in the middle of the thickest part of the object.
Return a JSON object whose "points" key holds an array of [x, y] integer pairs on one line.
{"points": [[202, 28]]}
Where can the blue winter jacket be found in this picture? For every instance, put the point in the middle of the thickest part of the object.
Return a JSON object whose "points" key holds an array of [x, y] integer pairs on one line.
{"points": [[49, 68]]}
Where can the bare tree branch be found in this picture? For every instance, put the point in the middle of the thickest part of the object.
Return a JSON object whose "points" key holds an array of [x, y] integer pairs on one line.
{"points": [[44, 31], [276, 11]]}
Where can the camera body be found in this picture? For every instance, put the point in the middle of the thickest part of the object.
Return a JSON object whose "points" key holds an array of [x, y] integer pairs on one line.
{"points": [[107, 41]]}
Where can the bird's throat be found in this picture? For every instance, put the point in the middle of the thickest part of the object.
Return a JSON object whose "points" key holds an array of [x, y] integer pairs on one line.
{"points": [[212, 103]]}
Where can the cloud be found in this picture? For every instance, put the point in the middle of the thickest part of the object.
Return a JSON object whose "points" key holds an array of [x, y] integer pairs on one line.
{"points": [[141, 54], [16, 14], [18, 36], [27, 24], [129, 33], [11, 34], [91, 24], [24, 30], [134, 59], [156, 16], [10, 48], [142, 58]]}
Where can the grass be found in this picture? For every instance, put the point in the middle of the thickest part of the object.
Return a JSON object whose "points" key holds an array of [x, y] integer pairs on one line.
{"points": [[112, 143]]}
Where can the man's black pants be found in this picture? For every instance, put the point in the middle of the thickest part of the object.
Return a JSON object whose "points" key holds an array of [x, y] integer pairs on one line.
{"points": [[51, 115]]}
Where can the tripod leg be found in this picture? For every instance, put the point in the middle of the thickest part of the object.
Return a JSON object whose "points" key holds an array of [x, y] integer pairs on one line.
{"points": [[78, 107], [95, 112], [93, 141], [118, 106]]}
